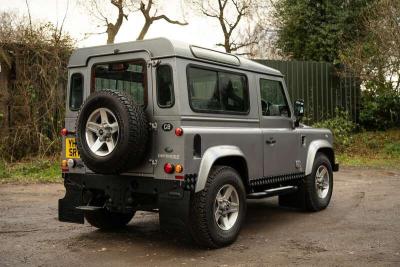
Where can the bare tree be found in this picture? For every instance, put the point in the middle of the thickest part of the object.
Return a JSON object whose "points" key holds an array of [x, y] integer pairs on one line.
{"points": [[376, 57], [99, 10], [149, 19], [260, 32], [230, 14]]}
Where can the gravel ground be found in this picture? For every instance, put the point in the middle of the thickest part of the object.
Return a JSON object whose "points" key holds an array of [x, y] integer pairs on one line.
{"points": [[360, 227]]}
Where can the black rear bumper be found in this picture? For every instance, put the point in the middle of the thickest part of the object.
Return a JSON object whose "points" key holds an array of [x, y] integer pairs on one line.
{"points": [[126, 193]]}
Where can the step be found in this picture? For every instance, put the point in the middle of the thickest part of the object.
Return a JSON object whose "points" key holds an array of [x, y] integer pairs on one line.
{"points": [[89, 208], [273, 192]]}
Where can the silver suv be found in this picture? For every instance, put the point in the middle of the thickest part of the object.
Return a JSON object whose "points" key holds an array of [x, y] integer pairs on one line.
{"points": [[159, 125]]}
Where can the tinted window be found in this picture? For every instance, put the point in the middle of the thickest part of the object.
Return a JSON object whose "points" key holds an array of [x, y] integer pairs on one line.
{"points": [[165, 86], [129, 77], [76, 93], [273, 99], [217, 91]]}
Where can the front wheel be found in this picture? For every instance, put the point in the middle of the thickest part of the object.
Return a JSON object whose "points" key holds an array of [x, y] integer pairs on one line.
{"points": [[319, 184], [218, 211]]}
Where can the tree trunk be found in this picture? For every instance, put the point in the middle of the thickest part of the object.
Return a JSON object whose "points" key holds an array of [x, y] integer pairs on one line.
{"points": [[144, 30], [110, 38], [227, 45]]}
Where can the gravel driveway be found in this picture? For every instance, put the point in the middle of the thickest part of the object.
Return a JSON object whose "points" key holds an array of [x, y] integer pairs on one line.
{"points": [[360, 227]]}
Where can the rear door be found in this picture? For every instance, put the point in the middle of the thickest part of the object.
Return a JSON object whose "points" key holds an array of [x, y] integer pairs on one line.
{"points": [[281, 142], [131, 74]]}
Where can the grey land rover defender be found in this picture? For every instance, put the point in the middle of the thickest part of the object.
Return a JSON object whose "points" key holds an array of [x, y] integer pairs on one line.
{"points": [[189, 132]]}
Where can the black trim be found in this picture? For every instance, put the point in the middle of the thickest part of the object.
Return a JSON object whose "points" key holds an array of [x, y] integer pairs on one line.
{"points": [[172, 89], [190, 181], [247, 93], [269, 180]]}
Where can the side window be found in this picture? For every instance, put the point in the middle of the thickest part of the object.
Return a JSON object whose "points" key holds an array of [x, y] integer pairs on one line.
{"points": [[273, 99], [76, 91], [165, 87], [203, 89], [129, 77], [217, 91]]}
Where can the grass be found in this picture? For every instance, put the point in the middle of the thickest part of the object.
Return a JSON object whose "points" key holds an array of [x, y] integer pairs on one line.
{"points": [[32, 171], [373, 149]]}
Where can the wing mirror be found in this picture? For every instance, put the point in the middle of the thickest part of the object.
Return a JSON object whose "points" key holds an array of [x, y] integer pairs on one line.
{"points": [[298, 111]]}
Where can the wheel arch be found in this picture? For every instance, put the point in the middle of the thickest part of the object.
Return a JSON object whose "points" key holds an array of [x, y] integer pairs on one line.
{"points": [[222, 155], [316, 146]]}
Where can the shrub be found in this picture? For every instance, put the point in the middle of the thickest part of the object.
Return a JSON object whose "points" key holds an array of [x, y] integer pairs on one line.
{"points": [[3, 169], [341, 126], [380, 111], [36, 56], [392, 149]]}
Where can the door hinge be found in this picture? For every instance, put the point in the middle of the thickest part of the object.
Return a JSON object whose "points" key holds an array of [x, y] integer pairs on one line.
{"points": [[153, 63], [153, 162]]}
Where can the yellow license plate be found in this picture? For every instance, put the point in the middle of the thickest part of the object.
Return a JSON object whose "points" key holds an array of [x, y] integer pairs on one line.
{"points": [[71, 151]]}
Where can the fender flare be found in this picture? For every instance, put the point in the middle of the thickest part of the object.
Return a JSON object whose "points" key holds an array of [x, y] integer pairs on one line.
{"points": [[312, 151], [209, 157]]}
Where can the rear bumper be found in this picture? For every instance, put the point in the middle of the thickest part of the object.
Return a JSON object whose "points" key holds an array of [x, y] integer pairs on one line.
{"points": [[124, 194]]}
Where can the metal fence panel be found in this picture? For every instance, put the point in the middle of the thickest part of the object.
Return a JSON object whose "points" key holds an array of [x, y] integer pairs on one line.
{"points": [[323, 86]]}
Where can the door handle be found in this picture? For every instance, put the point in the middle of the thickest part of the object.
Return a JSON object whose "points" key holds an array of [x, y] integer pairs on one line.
{"points": [[271, 141]]}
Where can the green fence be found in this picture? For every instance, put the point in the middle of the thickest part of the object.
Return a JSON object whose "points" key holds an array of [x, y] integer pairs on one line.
{"points": [[323, 86]]}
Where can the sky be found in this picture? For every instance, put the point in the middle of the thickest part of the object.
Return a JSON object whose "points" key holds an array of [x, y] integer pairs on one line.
{"points": [[200, 31]]}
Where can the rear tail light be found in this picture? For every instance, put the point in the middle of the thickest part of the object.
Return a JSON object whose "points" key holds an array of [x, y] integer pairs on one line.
{"points": [[178, 131], [64, 163], [178, 168], [64, 132], [169, 168]]}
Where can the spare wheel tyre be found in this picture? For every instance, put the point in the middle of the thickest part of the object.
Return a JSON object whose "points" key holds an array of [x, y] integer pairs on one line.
{"points": [[111, 132]]}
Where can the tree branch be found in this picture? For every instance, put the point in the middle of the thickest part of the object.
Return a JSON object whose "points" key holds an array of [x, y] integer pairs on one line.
{"points": [[169, 20]]}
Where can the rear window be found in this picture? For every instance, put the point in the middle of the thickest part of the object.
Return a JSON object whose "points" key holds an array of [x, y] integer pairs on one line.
{"points": [[165, 86], [76, 91], [128, 77], [217, 91]]}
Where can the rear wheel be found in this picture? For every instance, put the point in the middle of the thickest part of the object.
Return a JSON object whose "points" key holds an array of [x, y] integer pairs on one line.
{"points": [[218, 211], [104, 219]]}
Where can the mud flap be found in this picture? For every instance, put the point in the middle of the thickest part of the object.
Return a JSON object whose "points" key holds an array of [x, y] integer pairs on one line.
{"points": [[295, 200], [67, 211], [174, 210]]}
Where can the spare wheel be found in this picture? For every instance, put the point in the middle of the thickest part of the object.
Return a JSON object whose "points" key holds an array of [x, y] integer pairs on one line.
{"points": [[111, 132]]}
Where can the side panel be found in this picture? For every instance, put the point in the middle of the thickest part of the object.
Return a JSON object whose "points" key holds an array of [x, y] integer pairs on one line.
{"points": [[241, 131]]}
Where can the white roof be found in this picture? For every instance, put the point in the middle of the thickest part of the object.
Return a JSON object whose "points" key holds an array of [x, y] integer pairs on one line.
{"points": [[162, 47]]}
